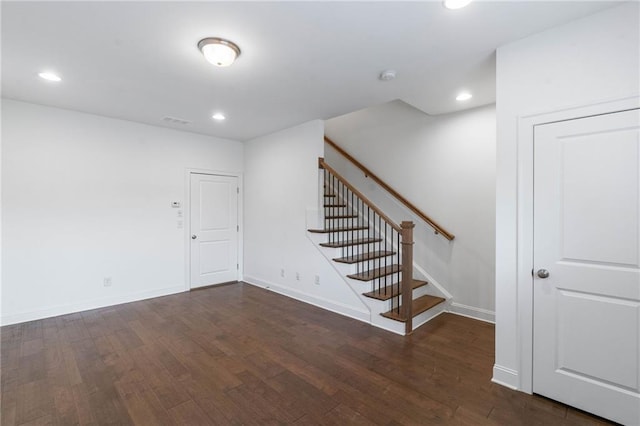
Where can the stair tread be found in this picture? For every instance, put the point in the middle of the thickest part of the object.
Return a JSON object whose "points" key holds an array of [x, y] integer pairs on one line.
{"points": [[335, 205], [343, 229], [329, 195], [420, 305], [346, 243], [386, 293], [364, 256], [375, 273]]}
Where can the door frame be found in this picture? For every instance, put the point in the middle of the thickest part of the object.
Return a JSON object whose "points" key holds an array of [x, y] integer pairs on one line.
{"points": [[524, 245], [186, 215]]}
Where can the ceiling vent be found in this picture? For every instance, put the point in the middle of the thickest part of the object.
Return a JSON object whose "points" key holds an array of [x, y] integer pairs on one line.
{"points": [[174, 120]]}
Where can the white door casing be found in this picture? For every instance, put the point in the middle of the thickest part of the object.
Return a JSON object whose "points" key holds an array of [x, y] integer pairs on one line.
{"points": [[586, 314], [213, 229]]}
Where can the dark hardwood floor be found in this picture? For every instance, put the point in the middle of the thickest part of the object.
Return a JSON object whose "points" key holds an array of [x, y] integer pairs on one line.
{"points": [[237, 354]]}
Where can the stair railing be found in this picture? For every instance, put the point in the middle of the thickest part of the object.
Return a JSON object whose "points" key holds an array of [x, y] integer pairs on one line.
{"points": [[348, 209], [368, 173]]}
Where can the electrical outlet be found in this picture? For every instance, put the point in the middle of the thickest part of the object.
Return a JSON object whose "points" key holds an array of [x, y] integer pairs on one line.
{"points": [[297, 276], [282, 273], [107, 282], [317, 280]]}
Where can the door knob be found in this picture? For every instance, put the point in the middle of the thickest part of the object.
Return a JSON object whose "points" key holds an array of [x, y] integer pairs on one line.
{"points": [[543, 273], [194, 236]]}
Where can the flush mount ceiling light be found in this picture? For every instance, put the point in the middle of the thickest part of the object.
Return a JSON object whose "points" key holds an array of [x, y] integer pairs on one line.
{"points": [[463, 96], [456, 4], [218, 51], [49, 76], [218, 116]]}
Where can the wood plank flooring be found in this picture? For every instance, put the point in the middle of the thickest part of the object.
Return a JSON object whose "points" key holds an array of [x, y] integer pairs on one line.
{"points": [[237, 354]]}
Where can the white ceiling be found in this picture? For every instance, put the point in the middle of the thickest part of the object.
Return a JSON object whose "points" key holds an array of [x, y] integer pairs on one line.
{"points": [[300, 60]]}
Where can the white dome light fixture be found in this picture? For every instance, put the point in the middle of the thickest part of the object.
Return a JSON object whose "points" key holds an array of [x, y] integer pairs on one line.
{"points": [[456, 4], [218, 116], [463, 96], [218, 51]]}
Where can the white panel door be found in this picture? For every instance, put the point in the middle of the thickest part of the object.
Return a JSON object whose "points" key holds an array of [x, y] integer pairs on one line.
{"points": [[214, 229], [587, 236]]}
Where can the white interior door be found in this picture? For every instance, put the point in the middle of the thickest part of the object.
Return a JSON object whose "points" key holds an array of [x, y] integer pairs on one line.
{"points": [[214, 229], [587, 236]]}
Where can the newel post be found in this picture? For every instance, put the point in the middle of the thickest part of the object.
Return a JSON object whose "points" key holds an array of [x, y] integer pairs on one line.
{"points": [[407, 274]]}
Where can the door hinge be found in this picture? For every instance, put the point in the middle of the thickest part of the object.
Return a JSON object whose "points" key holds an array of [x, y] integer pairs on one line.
{"points": [[237, 190], [237, 266], [237, 228]]}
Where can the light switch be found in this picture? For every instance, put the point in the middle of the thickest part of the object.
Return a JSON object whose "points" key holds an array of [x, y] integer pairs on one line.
{"points": [[175, 204]]}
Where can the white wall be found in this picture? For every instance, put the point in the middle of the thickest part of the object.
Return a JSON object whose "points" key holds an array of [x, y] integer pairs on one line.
{"points": [[280, 203], [585, 62], [445, 165], [86, 197]]}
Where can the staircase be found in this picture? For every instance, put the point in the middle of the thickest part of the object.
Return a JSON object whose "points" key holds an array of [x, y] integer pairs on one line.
{"points": [[375, 255]]}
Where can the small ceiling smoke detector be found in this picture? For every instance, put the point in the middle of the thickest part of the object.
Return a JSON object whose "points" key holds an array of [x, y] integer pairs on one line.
{"points": [[455, 4], [463, 96], [218, 51], [49, 76], [218, 116], [387, 75]]}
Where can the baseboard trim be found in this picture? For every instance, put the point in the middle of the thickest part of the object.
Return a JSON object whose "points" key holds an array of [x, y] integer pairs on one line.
{"points": [[472, 312], [87, 305], [505, 377], [320, 302]]}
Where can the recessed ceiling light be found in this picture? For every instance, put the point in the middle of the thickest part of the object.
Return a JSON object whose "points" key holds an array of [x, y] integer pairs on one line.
{"points": [[464, 96], [49, 76], [387, 75], [218, 51], [456, 4], [218, 116]]}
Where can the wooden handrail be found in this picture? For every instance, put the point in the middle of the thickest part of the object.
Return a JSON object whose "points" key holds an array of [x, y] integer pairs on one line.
{"points": [[439, 229], [323, 165]]}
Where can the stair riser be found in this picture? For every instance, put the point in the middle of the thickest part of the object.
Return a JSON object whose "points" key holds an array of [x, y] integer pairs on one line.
{"points": [[347, 235], [345, 223], [370, 285], [372, 264], [365, 248], [429, 314], [421, 291], [355, 268], [341, 223], [331, 209], [327, 216], [385, 305], [347, 210], [360, 248], [343, 211]]}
